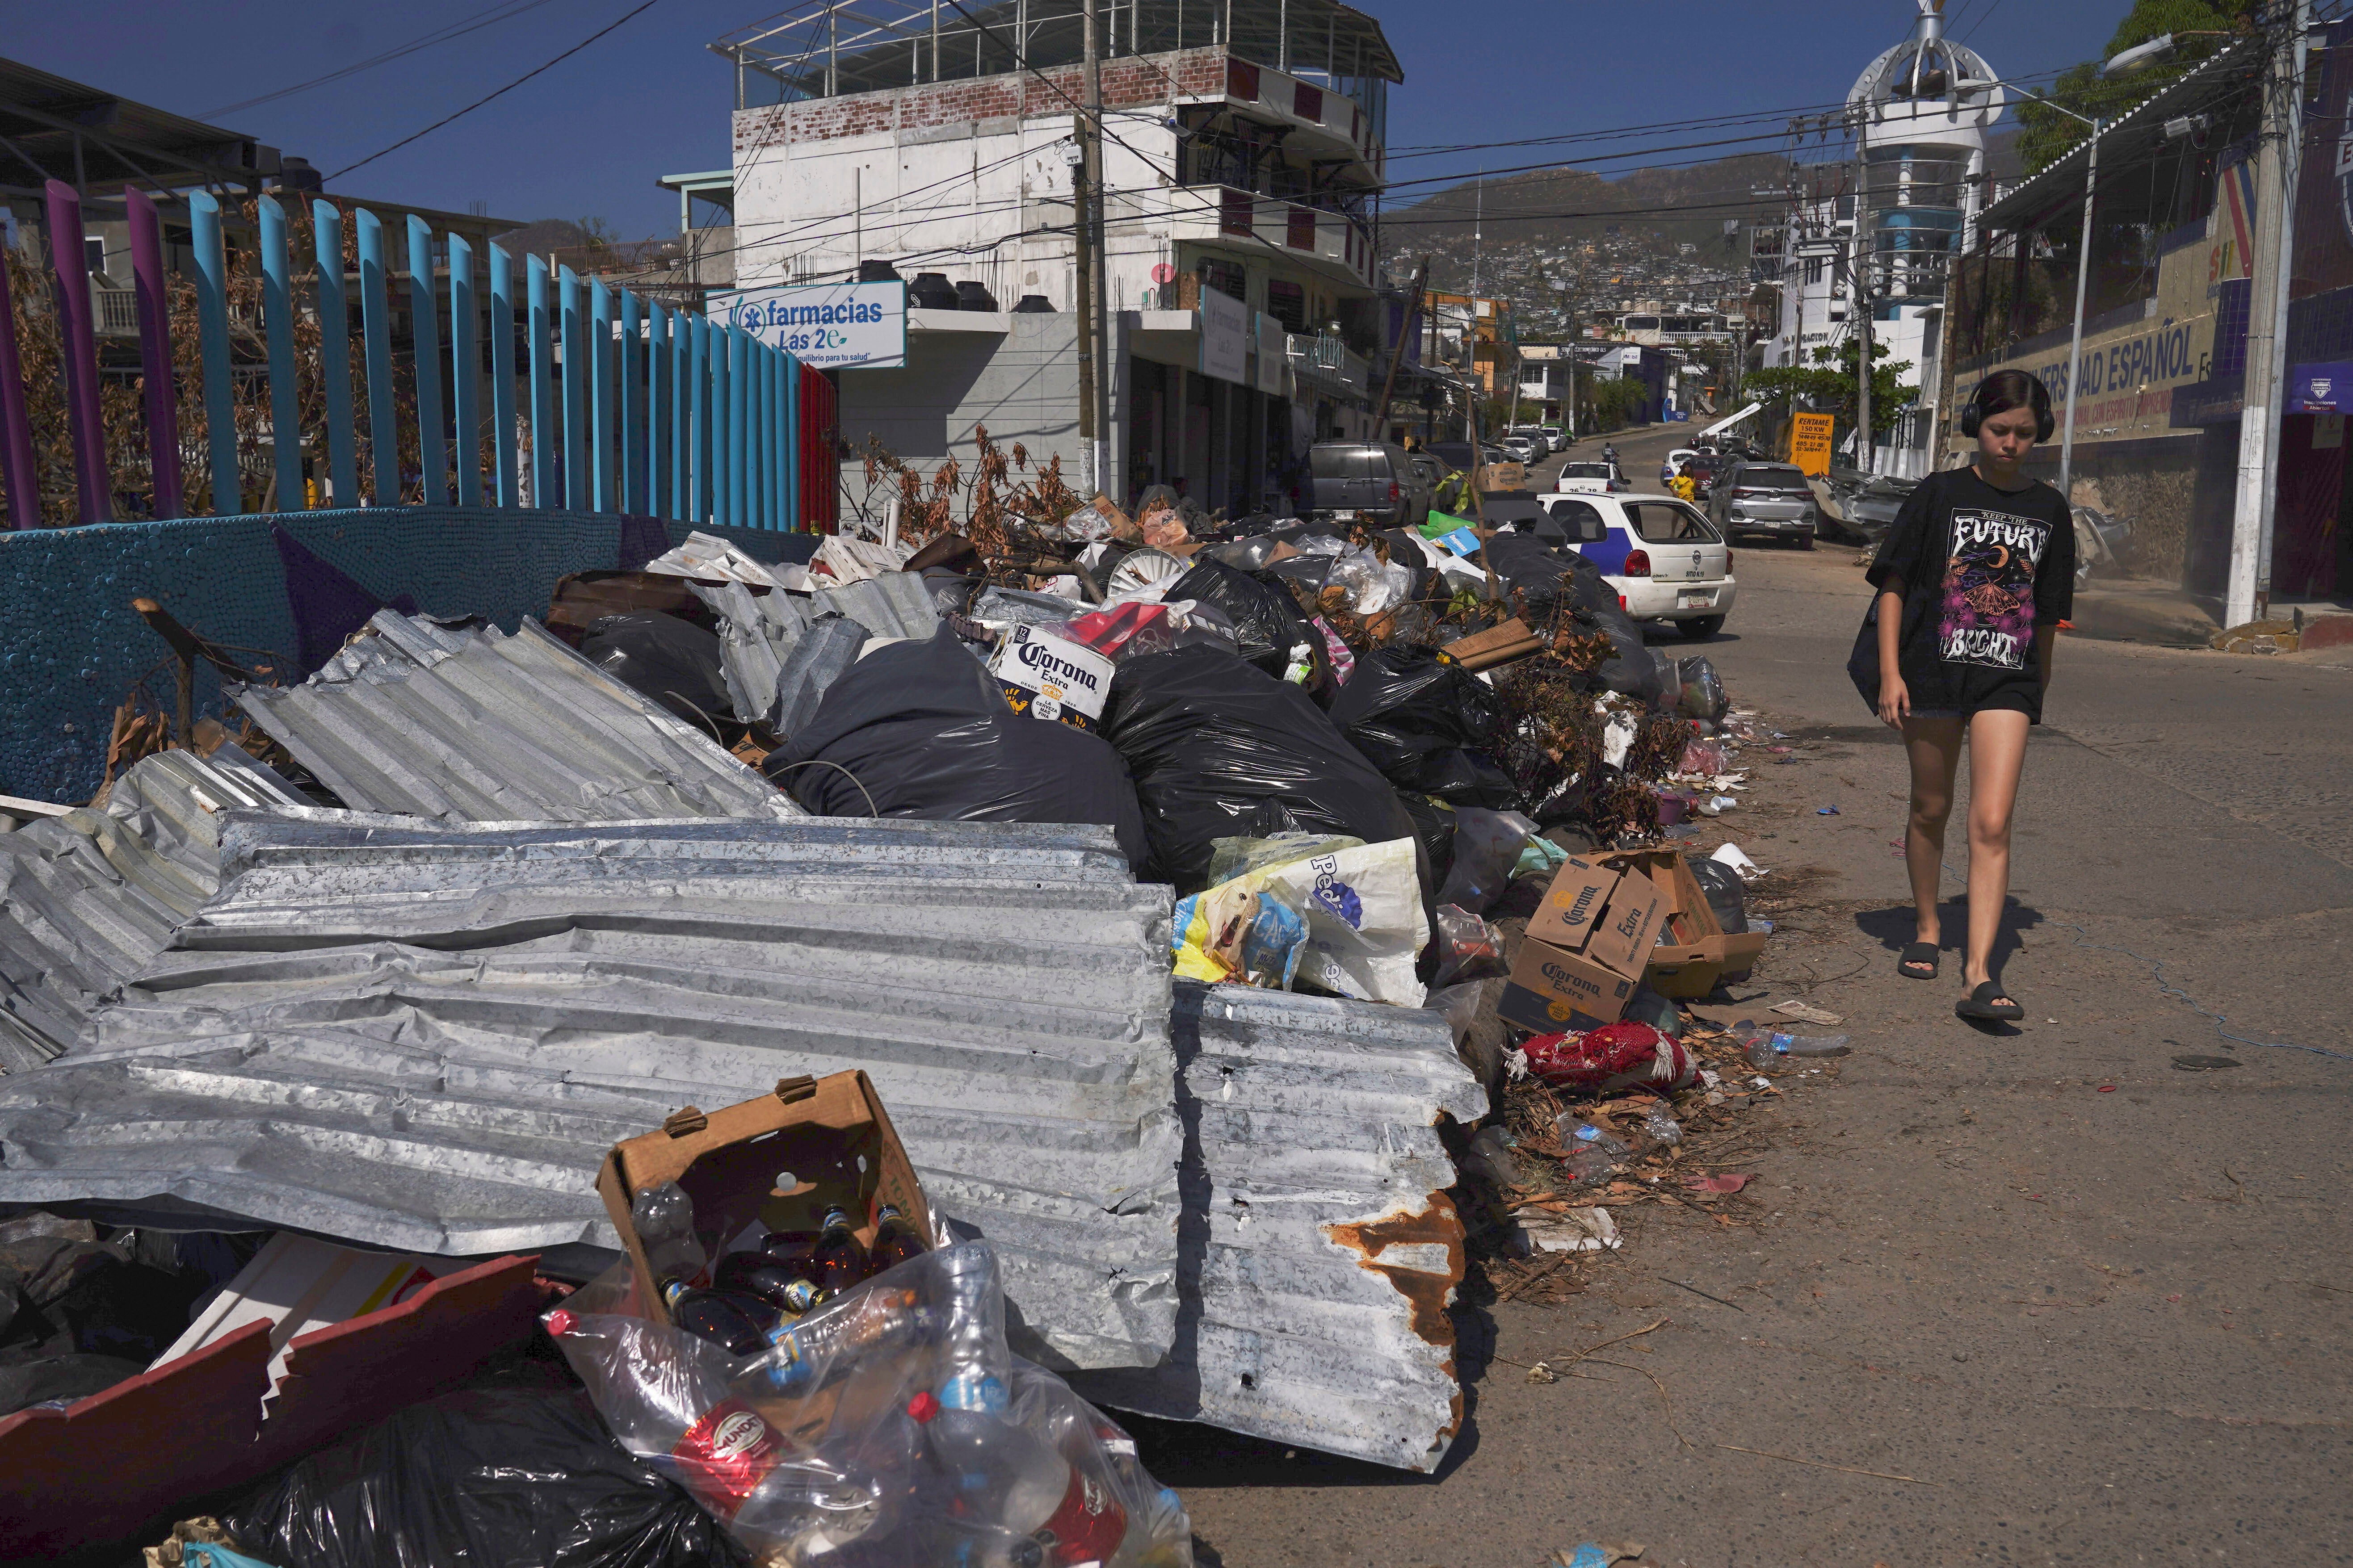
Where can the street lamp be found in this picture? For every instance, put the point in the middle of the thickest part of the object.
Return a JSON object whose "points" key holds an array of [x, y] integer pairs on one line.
{"points": [[2083, 273]]}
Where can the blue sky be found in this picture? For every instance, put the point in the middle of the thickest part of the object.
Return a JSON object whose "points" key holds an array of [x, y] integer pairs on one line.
{"points": [[590, 136]]}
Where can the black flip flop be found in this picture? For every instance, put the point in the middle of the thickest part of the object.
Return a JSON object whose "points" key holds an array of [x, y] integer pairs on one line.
{"points": [[1981, 1005], [1917, 952]]}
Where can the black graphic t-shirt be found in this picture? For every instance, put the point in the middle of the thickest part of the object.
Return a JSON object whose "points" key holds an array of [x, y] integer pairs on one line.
{"points": [[1982, 569]]}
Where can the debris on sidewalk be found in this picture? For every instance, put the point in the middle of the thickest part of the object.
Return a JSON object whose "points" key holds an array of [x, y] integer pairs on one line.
{"points": [[1116, 846], [818, 1364], [1804, 1012]]}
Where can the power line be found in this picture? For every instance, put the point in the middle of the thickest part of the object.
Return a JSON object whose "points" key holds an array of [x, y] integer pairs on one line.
{"points": [[501, 12], [639, 10]]}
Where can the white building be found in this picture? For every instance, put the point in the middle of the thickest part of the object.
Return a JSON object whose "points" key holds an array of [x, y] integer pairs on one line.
{"points": [[1918, 115], [1243, 154]]}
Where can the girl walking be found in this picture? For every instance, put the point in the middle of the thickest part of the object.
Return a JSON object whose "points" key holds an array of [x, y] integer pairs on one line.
{"points": [[1973, 578]]}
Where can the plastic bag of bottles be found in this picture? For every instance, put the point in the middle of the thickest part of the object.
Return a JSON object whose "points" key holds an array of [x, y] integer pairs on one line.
{"points": [[889, 1427]]}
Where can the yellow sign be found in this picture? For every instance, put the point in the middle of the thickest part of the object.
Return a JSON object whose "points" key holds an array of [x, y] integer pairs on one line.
{"points": [[1809, 443]]}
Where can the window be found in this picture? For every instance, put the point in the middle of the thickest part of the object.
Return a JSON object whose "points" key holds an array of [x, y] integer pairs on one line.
{"points": [[1227, 278], [1580, 520], [1287, 303], [1813, 269], [1670, 523], [94, 254]]}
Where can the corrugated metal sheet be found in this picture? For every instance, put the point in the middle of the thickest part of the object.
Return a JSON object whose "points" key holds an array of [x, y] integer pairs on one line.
{"points": [[1318, 1251], [89, 899], [465, 724], [894, 605], [426, 1038], [779, 653]]}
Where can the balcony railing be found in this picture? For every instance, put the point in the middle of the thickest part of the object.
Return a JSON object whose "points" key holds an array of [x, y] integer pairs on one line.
{"points": [[1314, 233], [1328, 358], [118, 311]]}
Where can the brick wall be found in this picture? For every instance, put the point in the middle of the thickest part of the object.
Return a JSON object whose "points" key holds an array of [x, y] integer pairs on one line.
{"points": [[1128, 82]]}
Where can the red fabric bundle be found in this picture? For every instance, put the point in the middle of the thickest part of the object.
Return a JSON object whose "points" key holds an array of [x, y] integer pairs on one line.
{"points": [[1625, 1055]]}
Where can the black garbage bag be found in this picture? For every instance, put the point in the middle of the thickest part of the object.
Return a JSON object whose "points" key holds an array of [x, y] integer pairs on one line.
{"points": [[1221, 749], [67, 1377], [1544, 574], [1725, 895], [663, 657], [922, 729], [1635, 669], [1265, 616], [1704, 695], [1434, 824], [1428, 724], [61, 1296], [482, 1476]]}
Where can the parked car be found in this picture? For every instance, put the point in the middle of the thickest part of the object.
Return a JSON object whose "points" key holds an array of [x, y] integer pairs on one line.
{"points": [[1675, 460], [1593, 475], [1433, 469], [1370, 480], [1527, 447], [1764, 500], [1661, 556], [1458, 453], [1555, 437], [1708, 467]]}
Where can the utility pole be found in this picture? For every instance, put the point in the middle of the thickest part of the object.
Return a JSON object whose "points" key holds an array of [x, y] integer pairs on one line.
{"points": [[1405, 335], [2075, 343], [1862, 306], [2276, 158], [1086, 238]]}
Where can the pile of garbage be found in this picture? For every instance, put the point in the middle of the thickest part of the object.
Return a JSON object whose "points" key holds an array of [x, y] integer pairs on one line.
{"points": [[1300, 727], [1416, 794]]}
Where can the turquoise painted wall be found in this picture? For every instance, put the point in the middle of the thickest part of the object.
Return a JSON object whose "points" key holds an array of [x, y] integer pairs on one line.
{"points": [[71, 645]]}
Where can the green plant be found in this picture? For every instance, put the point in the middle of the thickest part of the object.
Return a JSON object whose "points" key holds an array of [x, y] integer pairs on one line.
{"points": [[2047, 134]]}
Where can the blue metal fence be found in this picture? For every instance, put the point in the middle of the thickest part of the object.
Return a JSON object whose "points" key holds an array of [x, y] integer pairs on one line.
{"points": [[622, 405]]}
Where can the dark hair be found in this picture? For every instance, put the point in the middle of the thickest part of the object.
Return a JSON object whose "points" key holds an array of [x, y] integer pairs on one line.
{"points": [[2003, 391]]}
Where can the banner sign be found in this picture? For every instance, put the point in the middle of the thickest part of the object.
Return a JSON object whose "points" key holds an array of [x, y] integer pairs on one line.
{"points": [[833, 325], [1225, 336]]}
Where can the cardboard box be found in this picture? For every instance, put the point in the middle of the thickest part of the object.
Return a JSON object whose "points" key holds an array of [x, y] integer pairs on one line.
{"points": [[777, 1162], [1552, 988], [1691, 953], [1052, 678], [1604, 908]]}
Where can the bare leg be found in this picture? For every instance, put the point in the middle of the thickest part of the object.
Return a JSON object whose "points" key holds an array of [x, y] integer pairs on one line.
{"points": [[1934, 748], [1997, 758]]}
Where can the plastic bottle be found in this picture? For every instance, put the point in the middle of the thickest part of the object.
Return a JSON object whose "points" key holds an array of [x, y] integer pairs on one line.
{"points": [[838, 1262], [664, 1217], [1811, 1044], [1661, 1126], [895, 1240], [1011, 1481], [1592, 1152], [747, 1471], [805, 1352]]}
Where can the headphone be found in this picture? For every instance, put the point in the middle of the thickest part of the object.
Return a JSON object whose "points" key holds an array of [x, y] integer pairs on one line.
{"points": [[2038, 397]]}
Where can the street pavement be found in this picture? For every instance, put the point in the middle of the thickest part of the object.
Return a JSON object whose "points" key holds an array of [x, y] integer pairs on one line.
{"points": [[2024, 1295]]}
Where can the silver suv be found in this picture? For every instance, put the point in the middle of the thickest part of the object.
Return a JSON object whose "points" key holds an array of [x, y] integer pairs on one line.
{"points": [[1373, 481], [1764, 500]]}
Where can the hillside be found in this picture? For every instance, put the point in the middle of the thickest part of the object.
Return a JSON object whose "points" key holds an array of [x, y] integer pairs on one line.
{"points": [[1645, 217]]}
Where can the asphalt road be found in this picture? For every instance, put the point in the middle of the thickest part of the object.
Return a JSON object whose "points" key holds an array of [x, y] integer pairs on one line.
{"points": [[2095, 1307]]}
